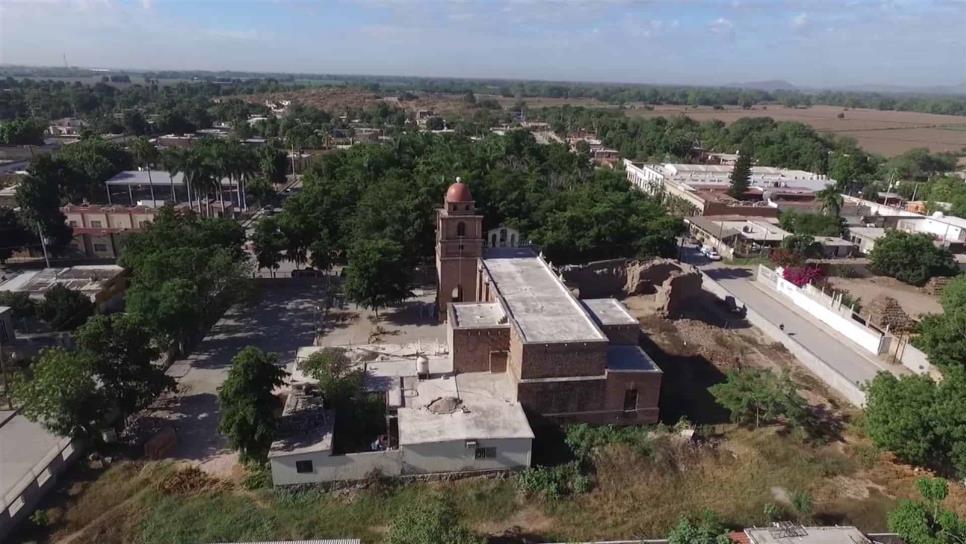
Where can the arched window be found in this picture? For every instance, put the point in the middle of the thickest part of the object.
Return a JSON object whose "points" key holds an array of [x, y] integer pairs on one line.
{"points": [[493, 240], [513, 240], [503, 235], [461, 229]]}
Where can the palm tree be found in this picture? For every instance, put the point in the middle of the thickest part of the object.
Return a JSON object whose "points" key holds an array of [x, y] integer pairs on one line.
{"points": [[831, 200], [146, 155], [174, 161], [198, 174]]}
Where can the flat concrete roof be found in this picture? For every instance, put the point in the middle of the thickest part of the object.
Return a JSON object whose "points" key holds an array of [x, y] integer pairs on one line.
{"points": [[470, 315], [608, 311], [806, 535], [305, 426], [26, 448], [627, 358], [873, 233], [539, 303], [481, 410]]}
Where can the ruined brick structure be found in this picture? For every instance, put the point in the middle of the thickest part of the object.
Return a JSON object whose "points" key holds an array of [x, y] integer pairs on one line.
{"points": [[569, 359]]}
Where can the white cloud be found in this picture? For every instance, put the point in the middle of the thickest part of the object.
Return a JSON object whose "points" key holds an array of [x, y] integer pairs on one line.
{"points": [[800, 21], [722, 27]]}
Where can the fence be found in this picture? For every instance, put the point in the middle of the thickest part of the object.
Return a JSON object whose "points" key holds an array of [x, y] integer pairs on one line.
{"points": [[852, 392], [827, 309]]}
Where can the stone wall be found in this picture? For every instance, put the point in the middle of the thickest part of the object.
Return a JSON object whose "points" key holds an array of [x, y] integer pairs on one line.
{"points": [[648, 385]]}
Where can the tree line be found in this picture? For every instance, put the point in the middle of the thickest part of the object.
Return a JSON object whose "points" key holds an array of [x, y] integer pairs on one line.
{"points": [[183, 272]]}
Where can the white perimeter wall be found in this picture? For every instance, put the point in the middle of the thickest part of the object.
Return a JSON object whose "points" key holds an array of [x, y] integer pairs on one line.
{"points": [[453, 456], [870, 340], [330, 468]]}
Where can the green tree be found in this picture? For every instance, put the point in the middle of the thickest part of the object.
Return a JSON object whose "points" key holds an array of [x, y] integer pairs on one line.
{"points": [[269, 243], [377, 274], [20, 304], [741, 175], [60, 391], [339, 379], [900, 417], [831, 201], [146, 155], [430, 521], [38, 196], [802, 245], [704, 528], [262, 192], [911, 258], [812, 224], [13, 234], [760, 396], [943, 336], [248, 405], [170, 308], [124, 360], [918, 522], [65, 309], [22, 132]]}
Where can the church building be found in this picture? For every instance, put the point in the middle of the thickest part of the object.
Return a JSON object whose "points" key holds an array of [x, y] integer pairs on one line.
{"points": [[508, 313]]}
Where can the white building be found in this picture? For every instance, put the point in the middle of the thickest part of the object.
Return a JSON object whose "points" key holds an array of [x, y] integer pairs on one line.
{"points": [[947, 229], [503, 237], [100, 283]]}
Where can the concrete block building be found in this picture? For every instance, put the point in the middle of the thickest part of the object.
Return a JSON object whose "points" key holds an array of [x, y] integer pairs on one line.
{"points": [[508, 313]]}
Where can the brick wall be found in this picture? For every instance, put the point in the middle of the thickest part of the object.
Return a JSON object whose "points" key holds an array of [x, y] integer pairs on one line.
{"points": [[622, 334], [561, 397], [562, 359], [648, 385], [471, 347]]}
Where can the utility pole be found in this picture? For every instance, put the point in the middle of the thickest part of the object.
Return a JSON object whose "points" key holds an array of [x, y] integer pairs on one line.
{"points": [[43, 244]]}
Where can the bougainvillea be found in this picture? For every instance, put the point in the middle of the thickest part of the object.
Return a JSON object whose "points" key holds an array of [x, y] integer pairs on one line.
{"points": [[802, 275]]}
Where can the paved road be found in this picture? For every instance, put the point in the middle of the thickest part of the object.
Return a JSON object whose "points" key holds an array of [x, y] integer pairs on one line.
{"points": [[280, 320], [828, 346], [820, 339]]}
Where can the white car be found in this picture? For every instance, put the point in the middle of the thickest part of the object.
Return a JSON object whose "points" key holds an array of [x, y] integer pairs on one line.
{"points": [[710, 253]]}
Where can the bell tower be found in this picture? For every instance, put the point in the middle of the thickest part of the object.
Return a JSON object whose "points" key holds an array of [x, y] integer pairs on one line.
{"points": [[459, 244]]}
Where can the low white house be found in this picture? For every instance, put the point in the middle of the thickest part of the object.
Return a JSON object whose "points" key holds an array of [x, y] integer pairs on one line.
{"points": [[437, 423]]}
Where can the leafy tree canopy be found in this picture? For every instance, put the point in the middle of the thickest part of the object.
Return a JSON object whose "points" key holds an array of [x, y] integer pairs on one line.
{"points": [[812, 224], [65, 309], [247, 403], [926, 521], [911, 258], [704, 528], [378, 274], [338, 378], [760, 396]]}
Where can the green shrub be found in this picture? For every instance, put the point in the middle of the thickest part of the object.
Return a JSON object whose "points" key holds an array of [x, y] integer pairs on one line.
{"points": [[585, 440], [553, 483]]}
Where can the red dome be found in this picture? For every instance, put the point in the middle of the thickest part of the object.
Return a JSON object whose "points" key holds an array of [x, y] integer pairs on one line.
{"points": [[458, 192]]}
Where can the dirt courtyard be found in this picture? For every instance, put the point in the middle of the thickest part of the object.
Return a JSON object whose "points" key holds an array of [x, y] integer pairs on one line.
{"points": [[913, 300]]}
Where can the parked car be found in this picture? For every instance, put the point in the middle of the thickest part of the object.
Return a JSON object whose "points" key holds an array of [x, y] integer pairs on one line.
{"points": [[710, 253]]}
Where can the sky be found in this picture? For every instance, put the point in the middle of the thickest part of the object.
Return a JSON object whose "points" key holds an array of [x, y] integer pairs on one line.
{"points": [[813, 43]]}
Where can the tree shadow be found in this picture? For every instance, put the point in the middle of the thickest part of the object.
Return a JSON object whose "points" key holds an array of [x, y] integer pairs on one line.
{"points": [[708, 308], [684, 386], [550, 441], [729, 273]]}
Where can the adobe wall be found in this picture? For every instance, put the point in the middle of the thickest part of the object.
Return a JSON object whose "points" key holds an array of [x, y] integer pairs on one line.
{"points": [[671, 283], [563, 359], [471, 348]]}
